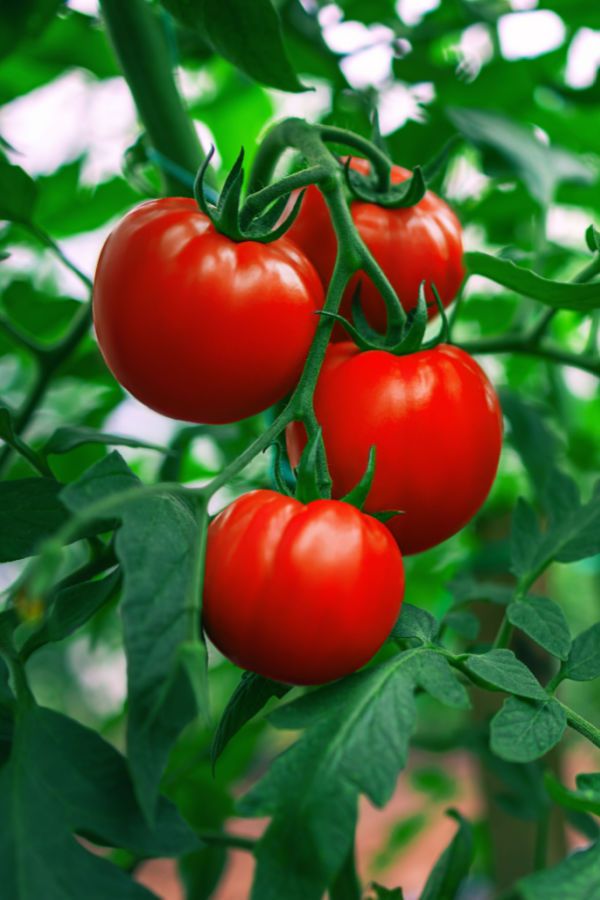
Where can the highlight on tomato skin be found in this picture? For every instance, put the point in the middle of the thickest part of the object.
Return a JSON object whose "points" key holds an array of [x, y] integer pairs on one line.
{"points": [[436, 423], [420, 242], [302, 594], [199, 327]]}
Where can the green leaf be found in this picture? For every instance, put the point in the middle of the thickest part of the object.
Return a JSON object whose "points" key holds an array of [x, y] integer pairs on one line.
{"points": [[25, 19], [440, 681], [525, 730], [232, 30], [44, 316], [249, 697], [312, 789], [63, 779], [158, 545], [66, 439], [534, 441], [544, 622], [592, 238], [541, 168], [70, 607], [466, 589], [501, 670], [556, 294], [464, 623], [585, 799], [414, 622], [453, 865], [30, 512], [573, 531], [576, 877], [583, 663], [17, 193]]}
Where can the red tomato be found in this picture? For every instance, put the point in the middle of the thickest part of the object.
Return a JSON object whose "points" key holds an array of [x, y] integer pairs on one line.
{"points": [[195, 325], [421, 242], [300, 593], [436, 423]]}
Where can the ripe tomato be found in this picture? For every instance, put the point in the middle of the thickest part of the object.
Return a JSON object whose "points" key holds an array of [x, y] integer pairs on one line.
{"points": [[300, 593], [436, 423], [195, 325], [420, 242]]}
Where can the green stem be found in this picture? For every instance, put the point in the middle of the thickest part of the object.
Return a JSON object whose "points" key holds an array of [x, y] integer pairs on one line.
{"points": [[226, 839], [380, 161], [523, 345], [20, 338], [541, 841], [578, 723], [261, 199], [51, 244], [143, 54]]}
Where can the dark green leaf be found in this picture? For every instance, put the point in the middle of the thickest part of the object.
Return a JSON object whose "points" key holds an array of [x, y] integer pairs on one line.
{"points": [[17, 193], [158, 545], [525, 539], [544, 622], [466, 589], [462, 622], [233, 30], [378, 892], [312, 789], [583, 663], [525, 730], [453, 865], [67, 780], [501, 670], [249, 697], [414, 622], [70, 608], [66, 439], [576, 877], [556, 294], [30, 511], [23, 20], [438, 678]]}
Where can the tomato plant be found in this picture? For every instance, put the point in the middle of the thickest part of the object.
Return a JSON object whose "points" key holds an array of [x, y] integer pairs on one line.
{"points": [[435, 421], [197, 326], [214, 638], [338, 569], [411, 244]]}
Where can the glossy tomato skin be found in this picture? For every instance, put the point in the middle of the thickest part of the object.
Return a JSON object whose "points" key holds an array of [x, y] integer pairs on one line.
{"points": [[436, 423], [302, 594], [195, 325], [421, 242]]}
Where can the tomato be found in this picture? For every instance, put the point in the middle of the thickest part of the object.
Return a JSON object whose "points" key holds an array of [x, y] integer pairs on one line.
{"points": [[436, 424], [420, 242], [195, 325], [300, 593]]}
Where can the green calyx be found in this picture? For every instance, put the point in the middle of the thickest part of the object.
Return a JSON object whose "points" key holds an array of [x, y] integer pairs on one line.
{"points": [[404, 337], [233, 219], [398, 196]]}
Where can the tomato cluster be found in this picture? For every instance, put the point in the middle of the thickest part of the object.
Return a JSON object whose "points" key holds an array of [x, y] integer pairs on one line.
{"points": [[208, 329]]}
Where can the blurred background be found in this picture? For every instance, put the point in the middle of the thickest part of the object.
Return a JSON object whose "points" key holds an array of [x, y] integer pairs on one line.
{"points": [[519, 82]]}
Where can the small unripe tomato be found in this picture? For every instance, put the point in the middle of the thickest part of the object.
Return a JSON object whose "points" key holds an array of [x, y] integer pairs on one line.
{"points": [[300, 593], [435, 422], [195, 325], [420, 242]]}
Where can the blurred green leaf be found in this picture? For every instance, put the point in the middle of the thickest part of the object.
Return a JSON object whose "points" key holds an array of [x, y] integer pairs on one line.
{"points": [[18, 193], [541, 167], [66, 439], [453, 865], [67, 780], [30, 511], [586, 798], [576, 877], [25, 19]]}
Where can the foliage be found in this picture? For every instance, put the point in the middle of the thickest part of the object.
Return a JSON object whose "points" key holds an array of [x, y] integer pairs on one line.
{"points": [[102, 549]]}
